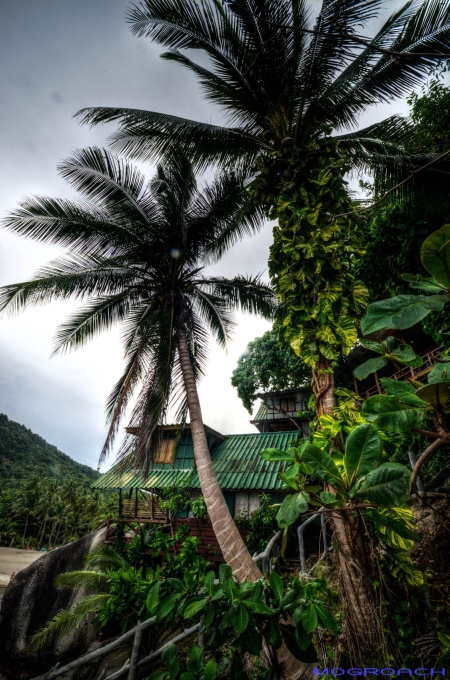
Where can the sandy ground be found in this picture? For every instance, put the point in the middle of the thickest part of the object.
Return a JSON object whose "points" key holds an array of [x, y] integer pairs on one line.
{"points": [[13, 560]]}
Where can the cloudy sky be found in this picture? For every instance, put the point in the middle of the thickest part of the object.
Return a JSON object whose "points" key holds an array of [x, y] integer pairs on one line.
{"points": [[56, 57]]}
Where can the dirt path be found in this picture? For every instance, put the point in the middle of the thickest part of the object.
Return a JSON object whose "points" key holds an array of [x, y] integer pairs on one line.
{"points": [[13, 560]]}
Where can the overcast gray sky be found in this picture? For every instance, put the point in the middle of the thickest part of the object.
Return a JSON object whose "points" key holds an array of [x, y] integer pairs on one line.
{"points": [[56, 57]]}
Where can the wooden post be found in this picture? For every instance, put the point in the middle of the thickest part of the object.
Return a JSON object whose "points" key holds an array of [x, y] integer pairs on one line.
{"points": [[151, 505], [120, 503]]}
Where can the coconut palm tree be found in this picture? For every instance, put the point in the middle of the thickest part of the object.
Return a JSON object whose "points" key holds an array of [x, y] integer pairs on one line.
{"points": [[292, 87], [136, 256]]}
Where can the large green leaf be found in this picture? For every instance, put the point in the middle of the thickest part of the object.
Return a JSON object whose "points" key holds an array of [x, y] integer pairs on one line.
{"points": [[324, 466], [439, 373], [326, 618], [362, 452], [390, 414], [308, 655], [369, 366], [309, 618], [437, 394], [435, 255], [402, 311], [291, 508], [276, 584], [194, 606], [405, 393], [240, 619], [404, 354], [387, 486], [251, 640], [397, 525]]}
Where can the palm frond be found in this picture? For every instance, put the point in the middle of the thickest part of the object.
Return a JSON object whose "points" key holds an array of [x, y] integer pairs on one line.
{"points": [[104, 557], [89, 580], [247, 293], [65, 622], [148, 136]]}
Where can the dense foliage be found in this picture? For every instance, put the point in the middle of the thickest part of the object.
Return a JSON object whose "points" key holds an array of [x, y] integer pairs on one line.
{"points": [[268, 365], [23, 454], [48, 511]]}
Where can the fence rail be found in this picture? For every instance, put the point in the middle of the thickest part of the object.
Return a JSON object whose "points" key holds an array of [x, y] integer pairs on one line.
{"points": [[408, 372]]}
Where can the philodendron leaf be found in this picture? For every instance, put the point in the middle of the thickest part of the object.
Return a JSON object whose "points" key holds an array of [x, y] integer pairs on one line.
{"points": [[404, 354], [429, 285], [390, 414], [436, 394], [387, 486], [362, 452], [402, 311], [291, 508], [373, 346], [369, 366], [439, 373], [435, 255], [324, 466], [405, 393]]}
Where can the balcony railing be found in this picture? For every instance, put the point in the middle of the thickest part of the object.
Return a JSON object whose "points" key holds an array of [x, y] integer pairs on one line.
{"points": [[142, 510], [408, 372]]}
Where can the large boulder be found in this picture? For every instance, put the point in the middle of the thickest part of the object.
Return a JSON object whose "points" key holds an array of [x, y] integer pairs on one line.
{"points": [[31, 600]]}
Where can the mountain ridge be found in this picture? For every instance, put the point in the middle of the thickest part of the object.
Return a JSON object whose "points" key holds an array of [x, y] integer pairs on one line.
{"points": [[24, 453]]}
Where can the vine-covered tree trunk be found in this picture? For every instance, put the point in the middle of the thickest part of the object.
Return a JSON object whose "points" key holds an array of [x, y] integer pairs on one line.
{"points": [[356, 568], [234, 550]]}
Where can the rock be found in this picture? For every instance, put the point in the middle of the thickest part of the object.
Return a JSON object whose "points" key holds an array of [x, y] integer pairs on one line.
{"points": [[31, 600]]}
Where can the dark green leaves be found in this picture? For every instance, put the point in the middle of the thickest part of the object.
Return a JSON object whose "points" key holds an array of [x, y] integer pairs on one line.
{"points": [[291, 508], [402, 311], [369, 366], [390, 414], [387, 486], [195, 605], [240, 619], [362, 452], [276, 584], [436, 394], [324, 465], [435, 255]]}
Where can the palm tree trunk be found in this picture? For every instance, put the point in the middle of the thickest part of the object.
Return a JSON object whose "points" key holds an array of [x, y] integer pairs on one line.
{"points": [[25, 532], [234, 550], [355, 566], [41, 538]]}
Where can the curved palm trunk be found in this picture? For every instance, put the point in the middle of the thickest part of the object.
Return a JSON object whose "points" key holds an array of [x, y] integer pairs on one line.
{"points": [[234, 550], [355, 566]]}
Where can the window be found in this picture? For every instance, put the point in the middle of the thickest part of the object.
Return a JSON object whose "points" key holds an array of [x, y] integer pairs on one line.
{"points": [[165, 452], [287, 404]]}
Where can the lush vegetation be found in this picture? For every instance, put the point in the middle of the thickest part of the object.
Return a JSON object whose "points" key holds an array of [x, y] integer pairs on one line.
{"points": [[289, 87]]}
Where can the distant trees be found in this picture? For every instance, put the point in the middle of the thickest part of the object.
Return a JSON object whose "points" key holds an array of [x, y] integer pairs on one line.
{"points": [[45, 512], [268, 365]]}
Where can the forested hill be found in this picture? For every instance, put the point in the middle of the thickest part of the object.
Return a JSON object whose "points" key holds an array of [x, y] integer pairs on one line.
{"points": [[23, 453]]}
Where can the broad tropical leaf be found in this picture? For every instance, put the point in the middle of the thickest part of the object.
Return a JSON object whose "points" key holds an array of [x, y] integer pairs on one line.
{"points": [[435, 255], [402, 311], [390, 414], [386, 486], [363, 451]]}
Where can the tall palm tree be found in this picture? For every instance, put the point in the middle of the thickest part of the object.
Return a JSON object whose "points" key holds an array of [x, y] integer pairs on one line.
{"points": [[292, 88], [136, 255]]}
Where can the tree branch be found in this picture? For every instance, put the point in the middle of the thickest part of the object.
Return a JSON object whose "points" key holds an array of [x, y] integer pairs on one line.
{"points": [[93, 656], [154, 655], [269, 546], [424, 457]]}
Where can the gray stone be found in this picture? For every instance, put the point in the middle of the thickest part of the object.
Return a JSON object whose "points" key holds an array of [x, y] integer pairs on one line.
{"points": [[31, 600]]}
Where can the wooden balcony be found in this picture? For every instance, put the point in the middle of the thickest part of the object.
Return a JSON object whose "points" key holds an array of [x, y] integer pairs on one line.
{"points": [[142, 510], [408, 373]]}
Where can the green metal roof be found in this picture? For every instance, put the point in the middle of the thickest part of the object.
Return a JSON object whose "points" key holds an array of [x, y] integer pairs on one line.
{"points": [[237, 463], [261, 413]]}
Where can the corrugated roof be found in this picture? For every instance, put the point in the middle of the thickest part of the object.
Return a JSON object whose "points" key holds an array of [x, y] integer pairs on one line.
{"points": [[237, 463], [261, 413]]}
